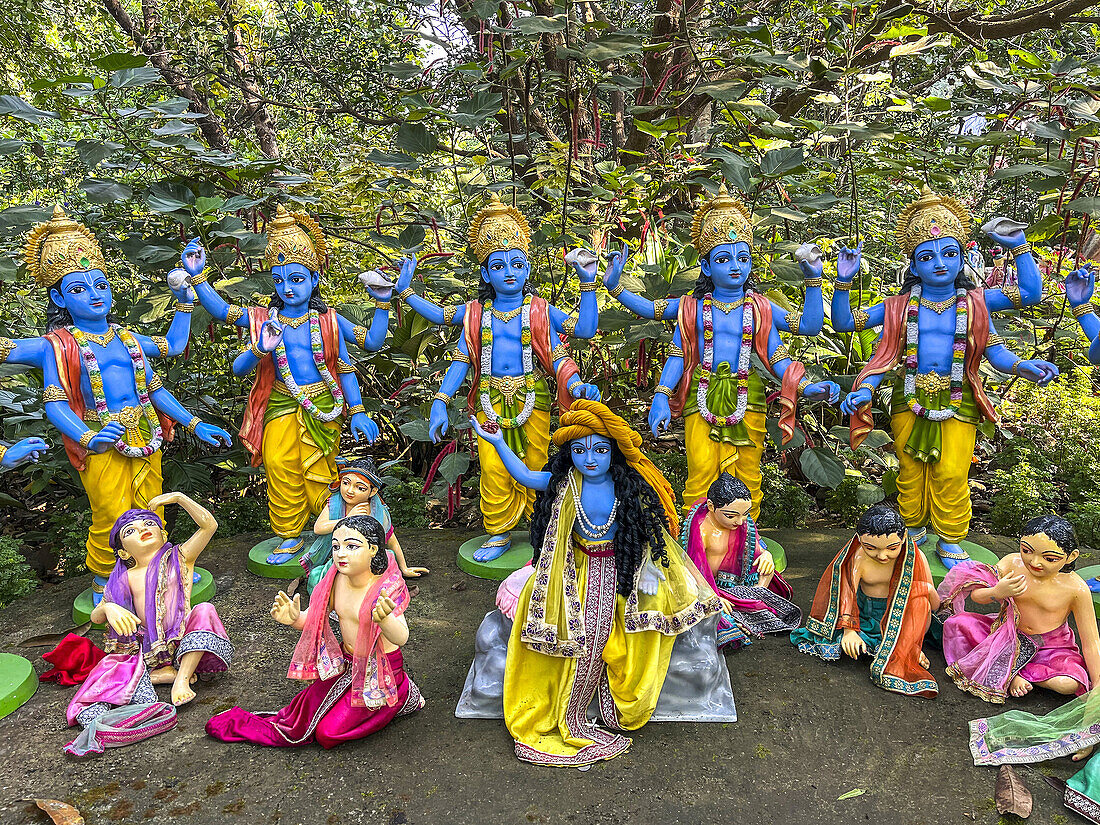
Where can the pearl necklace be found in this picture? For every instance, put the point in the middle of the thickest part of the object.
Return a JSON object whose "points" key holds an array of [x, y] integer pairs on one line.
{"points": [[594, 531]]}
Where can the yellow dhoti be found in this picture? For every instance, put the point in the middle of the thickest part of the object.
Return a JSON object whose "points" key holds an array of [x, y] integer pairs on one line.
{"points": [[299, 456], [504, 501]]}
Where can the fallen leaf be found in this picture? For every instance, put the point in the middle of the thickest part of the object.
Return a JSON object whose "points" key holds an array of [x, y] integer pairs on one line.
{"points": [[851, 794], [458, 586], [290, 588], [1011, 794], [414, 591], [54, 639], [60, 813]]}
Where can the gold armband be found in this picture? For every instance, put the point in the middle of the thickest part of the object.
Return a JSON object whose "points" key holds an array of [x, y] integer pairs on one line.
{"points": [[1012, 292], [185, 306], [1012, 369], [154, 383], [233, 313], [1022, 249], [569, 325], [779, 354], [442, 396], [3, 450], [616, 290], [812, 282], [86, 438], [54, 393], [588, 286], [861, 317], [560, 351], [193, 424], [200, 278], [866, 385], [805, 382], [842, 286], [449, 314], [794, 320], [161, 344], [1082, 310], [663, 390], [459, 355], [382, 305], [6, 346], [358, 408], [343, 367], [660, 306], [254, 348], [360, 334], [405, 293], [995, 340], [675, 352]]}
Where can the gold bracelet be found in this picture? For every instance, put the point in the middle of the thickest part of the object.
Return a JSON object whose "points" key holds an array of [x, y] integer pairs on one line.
{"points": [[382, 305], [861, 317], [200, 278], [675, 352], [86, 438], [842, 286], [663, 390], [866, 385], [809, 283], [805, 382], [154, 383], [560, 351], [1012, 369], [162, 344], [616, 290], [360, 336], [660, 306], [460, 356], [3, 450], [185, 306], [358, 408], [1022, 249], [779, 354], [1082, 310], [569, 325], [193, 424], [588, 286], [233, 313], [449, 314], [405, 293], [442, 396], [794, 321], [6, 346], [255, 350], [1012, 292], [54, 393]]}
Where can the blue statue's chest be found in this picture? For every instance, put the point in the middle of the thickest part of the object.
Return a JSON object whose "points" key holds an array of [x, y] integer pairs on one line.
{"points": [[507, 347], [117, 370], [937, 340], [728, 329], [299, 354]]}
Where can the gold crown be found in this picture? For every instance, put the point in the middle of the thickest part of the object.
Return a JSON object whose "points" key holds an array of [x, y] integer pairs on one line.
{"points": [[722, 219], [498, 228], [59, 247], [294, 238], [930, 217]]}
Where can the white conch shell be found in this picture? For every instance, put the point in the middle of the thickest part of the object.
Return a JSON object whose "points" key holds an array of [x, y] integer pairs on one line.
{"points": [[373, 279], [583, 258], [178, 278], [1003, 226], [809, 253]]}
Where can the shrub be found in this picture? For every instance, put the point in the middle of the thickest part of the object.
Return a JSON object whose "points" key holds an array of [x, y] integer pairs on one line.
{"points": [[785, 503], [69, 533], [1021, 494], [402, 494], [16, 577], [851, 498], [1085, 516], [242, 514]]}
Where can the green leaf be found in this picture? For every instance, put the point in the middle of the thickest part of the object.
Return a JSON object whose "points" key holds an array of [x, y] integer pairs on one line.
{"points": [[537, 24], [94, 152], [611, 46], [23, 216], [937, 104], [105, 191], [129, 78], [21, 110], [1090, 205], [10, 145], [778, 162], [175, 127], [417, 429], [415, 138], [851, 794], [402, 71], [822, 467], [454, 465], [168, 196], [868, 494], [204, 206], [476, 109], [1020, 169], [395, 160], [119, 60]]}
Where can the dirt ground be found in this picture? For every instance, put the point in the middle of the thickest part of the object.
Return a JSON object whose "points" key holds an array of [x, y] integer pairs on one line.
{"points": [[807, 734]]}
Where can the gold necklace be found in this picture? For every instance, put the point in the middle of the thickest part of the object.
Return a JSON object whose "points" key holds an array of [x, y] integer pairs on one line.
{"points": [[102, 340], [294, 322], [730, 307], [507, 316], [939, 307]]}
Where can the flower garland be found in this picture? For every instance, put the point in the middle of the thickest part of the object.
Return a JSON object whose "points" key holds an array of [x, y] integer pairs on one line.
{"points": [[485, 381], [958, 356], [707, 364], [95, 378], [282, 364]]}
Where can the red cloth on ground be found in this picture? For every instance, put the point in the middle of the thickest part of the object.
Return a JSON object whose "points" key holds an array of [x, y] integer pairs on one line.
{"points": [[72, 660]]}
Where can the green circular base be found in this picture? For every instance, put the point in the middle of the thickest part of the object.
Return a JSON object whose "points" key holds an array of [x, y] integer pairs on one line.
{"points": [[18, 682], [975, 551], [1092, 572], [779, 555], [202, 591], [257, 559], [499, 568]]}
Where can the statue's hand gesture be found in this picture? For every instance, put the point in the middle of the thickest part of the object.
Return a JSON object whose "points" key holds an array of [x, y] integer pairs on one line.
{"points": [[764, 564], [847, 263], [1037, 371], [122, 621], [106, 438], [856, 399], [271, 335], [363, 426], [1080, 285], [853, 643], [660, 414], [408, 269], [583, 390], [193, 259], [25, 450], [491, 433], [384, 607], [285, 611], [212, 435], [616, 262], [438, 421], [649, 580], [828, 391]]}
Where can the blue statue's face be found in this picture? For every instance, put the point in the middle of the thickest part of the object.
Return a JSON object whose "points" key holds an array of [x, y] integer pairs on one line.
{"points": [[86, 295], [591, 456], [506, 271], [728, 265], [295, 284], [937, 262]]}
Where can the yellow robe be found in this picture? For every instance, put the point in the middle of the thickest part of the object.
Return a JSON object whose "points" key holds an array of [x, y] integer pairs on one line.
{"points": [[575, 637]]}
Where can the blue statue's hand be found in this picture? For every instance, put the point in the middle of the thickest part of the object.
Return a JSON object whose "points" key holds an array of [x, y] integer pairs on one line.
{"points": [[1008, 241], [362, 425], [25, 450], [660, 415], [582, 390], [494, 436], [811, 270], [1040, 372], [184, 295], [437, 421], [855, 400], [1080, 285], [1094, 584], [822, 391], [847, 263], [616, 262], [193, 258], [214, 436], [408, 269], [106, 438]]}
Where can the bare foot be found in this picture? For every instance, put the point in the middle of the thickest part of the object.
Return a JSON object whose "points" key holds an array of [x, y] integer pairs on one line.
{"points": [[923, 659], [1082, 754], [163, 675], [182, 694], [1019, 687]]}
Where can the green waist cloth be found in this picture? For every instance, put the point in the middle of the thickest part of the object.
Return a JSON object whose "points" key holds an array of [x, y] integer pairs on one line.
{"points": [[871, 611], [280, 404], [516, 438], [925, 441], [722, 401]]}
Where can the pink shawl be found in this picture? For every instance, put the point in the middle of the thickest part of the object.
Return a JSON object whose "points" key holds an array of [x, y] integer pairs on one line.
{"points": [[318, 654]]}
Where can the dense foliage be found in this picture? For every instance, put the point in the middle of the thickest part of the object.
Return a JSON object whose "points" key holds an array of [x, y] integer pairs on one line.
{"points": [[605, 122]]}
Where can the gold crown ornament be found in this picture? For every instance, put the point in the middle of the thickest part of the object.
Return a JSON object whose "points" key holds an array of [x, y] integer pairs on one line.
{"points": [[722, 219], [929, 218], [61, 246], [294, 238], [498, 228]]}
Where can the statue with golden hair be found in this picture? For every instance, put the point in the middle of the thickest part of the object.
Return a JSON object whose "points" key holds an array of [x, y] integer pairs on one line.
{"points": [[515, 342], [305, 386], [709, 377], [100, 389], [935, 332]]}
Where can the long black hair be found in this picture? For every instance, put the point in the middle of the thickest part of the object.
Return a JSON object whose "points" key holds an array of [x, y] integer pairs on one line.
{"points": [[962, 280], [640, 518], [370, 529], [704, 283], [315, 301]]}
